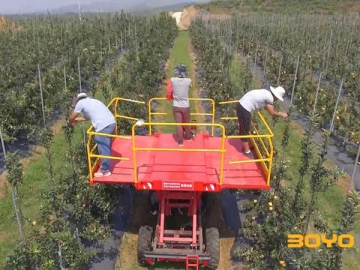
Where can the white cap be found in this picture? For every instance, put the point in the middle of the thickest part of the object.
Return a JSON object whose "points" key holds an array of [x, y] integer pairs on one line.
{"points": [[81, 95]]}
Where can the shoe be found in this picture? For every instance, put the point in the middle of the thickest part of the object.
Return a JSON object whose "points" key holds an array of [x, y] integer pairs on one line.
{"points": [[180, 143], [101, 174], [153, 212], [191, 138], [250, 155]]}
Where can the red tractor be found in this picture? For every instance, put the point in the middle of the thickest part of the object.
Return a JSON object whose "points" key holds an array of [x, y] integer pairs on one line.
{"points": [[179, 179]]}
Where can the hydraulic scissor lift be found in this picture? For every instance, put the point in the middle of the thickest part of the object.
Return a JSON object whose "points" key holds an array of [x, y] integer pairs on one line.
{"points": [[180, 176]]}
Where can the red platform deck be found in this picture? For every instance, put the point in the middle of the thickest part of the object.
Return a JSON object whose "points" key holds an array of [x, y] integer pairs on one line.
{"points": [[183, 170]]}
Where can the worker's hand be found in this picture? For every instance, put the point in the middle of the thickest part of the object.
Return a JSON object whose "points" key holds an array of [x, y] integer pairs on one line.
{"points": [[284, 115], [79, 119], [69, 124]]}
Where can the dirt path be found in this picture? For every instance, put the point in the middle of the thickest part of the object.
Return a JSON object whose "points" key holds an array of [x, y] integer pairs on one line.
{"points": [[127, 259], [213, 217]]}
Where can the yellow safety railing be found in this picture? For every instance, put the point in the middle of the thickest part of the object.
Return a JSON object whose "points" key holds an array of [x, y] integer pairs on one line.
{"points": [[222, 149], [267, 157], [212, 114], [113, 106]]}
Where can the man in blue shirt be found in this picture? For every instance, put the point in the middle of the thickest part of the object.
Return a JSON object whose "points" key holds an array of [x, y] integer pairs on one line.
{"points": [[102, 120]]}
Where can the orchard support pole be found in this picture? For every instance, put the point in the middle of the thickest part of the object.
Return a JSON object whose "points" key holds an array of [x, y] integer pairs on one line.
{"points": [[2, 143], [336, 105], [317, 92], [295, 79], [254, 69], [265, 62], [80, 90], [354, 170], [14, 196], [41, 95], [50, 168], [328, 53], [60, 257], [280, 66], [79, 10]]}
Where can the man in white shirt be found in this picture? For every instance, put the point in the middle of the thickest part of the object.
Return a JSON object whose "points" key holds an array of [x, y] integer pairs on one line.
{"points": [[252, 101], [102, 120]]}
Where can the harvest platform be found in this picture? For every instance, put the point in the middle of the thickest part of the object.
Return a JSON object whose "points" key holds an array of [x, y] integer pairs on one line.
{"points": [[181, 169], [180, 175]]}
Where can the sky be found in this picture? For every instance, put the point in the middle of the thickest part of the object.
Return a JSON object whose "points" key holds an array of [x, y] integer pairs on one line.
{"points": [[24, 6]]}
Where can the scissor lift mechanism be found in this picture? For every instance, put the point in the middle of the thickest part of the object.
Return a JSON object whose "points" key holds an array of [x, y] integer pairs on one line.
{"points": [[180, 176]]}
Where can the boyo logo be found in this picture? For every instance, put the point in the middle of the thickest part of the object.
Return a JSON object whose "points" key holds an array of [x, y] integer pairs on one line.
{"points": [[314, 240]]}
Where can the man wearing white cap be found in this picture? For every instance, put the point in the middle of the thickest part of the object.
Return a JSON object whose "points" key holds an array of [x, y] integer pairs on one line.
{"points": [[102, 120], [252, 101]]}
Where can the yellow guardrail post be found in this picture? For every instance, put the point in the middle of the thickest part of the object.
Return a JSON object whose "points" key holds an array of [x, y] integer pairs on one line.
{"points": [[268, 153], [114, 102], [271, 160], [228, 102], [89, 158], [134, 153], [221, 150], [150, 116], [222, 153], [213, 117], [266, 125], [150, 113]]}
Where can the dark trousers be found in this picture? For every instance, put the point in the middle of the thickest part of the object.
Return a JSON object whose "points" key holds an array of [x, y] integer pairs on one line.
{"points": [[244, 118], [182, 115]]}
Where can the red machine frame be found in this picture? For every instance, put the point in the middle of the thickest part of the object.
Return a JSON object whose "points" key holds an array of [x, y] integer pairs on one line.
{"points": [[177, 245]]}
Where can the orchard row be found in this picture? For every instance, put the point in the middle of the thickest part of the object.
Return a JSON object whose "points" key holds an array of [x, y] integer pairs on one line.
{"points": [[72, 214]]}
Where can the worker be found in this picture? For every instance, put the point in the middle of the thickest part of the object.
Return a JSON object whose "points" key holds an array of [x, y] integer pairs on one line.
{"points": [[181, 106], [102, 120], [252, 101]]}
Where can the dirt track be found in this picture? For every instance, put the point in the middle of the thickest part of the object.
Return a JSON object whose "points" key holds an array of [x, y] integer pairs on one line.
{"points": [[191, 12]]}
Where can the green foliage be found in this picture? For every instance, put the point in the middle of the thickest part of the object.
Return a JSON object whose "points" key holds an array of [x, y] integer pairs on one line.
{"points": [[73, 212], [348, 219], [326, 44], [307, 149], [281, 6], [14, 168], [283, 210], [215, 57]]}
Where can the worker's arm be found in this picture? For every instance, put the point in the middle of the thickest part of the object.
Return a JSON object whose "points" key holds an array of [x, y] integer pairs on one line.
{"points": [[271, 110], [72, 117]]}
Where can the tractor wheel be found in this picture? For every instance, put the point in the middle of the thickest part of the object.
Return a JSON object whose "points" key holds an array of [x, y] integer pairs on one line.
{"points": [[213, 247], [144, 243]]}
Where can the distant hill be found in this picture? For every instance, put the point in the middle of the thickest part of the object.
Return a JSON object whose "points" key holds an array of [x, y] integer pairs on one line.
{"points": [[313, 6], [7, 25], [137, 6], [171, 8]]}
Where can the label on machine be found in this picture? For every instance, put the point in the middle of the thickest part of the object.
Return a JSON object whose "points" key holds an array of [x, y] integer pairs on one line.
{"points": [[177, 185]]}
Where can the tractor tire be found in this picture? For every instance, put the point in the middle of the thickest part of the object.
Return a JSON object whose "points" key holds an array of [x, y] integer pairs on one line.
{"points": [[212, 238], [144, 243]]}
